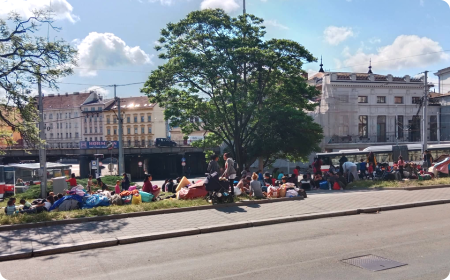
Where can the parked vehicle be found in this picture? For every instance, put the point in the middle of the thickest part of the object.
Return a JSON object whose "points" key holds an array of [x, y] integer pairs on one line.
{"points": [[163, 142]]}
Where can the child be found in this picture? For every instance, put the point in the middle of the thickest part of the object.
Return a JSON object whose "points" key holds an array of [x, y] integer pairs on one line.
{"points": [[10, 209], [370, 169], [26, 204], [117, 188]]}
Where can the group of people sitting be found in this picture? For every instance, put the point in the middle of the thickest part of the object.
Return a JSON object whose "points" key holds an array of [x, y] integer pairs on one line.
{"points": [[37, 206]]}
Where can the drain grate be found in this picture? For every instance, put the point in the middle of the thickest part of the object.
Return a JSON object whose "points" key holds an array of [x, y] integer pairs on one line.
{"points": [[373, 263]]}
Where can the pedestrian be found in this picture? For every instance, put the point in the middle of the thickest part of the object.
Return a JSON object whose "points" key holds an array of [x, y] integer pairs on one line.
{"points": [[125, 182], [213, 166], [317, 166], [372, 159], [230, 171], [72, 181], [350, 169], [401, 166], [342, 160], [296, 174], [427, 160], [362, 169]]}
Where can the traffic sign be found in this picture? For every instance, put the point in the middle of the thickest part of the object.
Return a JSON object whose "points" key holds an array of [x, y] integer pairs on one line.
{"points": [[93, 164], [183, 163], [183, 159], [140, 164]]}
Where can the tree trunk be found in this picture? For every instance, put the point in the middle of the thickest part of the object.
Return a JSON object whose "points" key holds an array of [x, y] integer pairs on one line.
{"points": [[261, 164]]}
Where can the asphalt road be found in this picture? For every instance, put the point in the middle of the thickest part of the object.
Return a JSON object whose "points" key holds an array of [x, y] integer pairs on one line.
{"points": [[313, 249]]}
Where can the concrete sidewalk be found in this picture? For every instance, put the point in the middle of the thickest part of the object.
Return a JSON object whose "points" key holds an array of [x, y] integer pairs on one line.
{"points": [[65, 238]]}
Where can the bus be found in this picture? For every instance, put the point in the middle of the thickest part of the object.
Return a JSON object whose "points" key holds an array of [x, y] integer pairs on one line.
{"points": [[385, 154]]}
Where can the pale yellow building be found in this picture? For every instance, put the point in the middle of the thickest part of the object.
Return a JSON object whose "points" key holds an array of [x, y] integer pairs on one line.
{"points": [[143, 122]]}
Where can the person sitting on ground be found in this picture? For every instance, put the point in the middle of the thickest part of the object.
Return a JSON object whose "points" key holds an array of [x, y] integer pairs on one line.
{"points": [[260, 177], [55, 198], [332, 168], [26, 204], [41, 207], [72, 181], [317, 179], [89, 185], [305, 183], [117, 187], [125, 182], [170, 187], [163, 187], [60, 195], [148, 187], [255, 187], [244, 184], [102, 185], [13, 199], [267, 179], [284, 180], [280, 176], [10, 209]]}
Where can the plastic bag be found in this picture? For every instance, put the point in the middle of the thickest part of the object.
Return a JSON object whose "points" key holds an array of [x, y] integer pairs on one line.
{"points": [[132, 188], [137, 199], [146, 197], [336, 186], [237, 191], [291, 193], [126, 199], [272, 192]]}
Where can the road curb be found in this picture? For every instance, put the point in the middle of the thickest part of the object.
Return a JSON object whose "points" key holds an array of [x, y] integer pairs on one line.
{"points": [[144, 213], [123, 240]]}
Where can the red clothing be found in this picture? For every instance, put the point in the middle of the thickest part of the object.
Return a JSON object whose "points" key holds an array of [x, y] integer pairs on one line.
{"points": [[296, 172], [72, 182], [370, 169], [147, 187]]}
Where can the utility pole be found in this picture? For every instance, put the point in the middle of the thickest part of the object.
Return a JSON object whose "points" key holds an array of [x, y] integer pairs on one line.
{"points": [[438, 120], [121, 159], [244, 8], [42, 151], [424, 117]]}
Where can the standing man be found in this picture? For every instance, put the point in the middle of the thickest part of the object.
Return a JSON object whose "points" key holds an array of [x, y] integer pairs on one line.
{"points": [[427, 160], [230, 172], [341, 162], [350, 169]]}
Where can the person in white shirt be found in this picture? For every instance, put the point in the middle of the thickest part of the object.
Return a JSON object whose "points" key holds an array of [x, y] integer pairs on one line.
{"points": [[350, 169]]}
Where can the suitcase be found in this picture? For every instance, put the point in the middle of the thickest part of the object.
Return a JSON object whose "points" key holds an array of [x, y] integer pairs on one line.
{"points": [[323, 185]]}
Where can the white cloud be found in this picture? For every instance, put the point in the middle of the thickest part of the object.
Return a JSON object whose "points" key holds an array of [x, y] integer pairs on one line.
{"points": [[101, 91], [405, 52], [163, 2], [275, 23], [335, 35], [61, 8], [103, 50], [227, 5], [374, 40]]}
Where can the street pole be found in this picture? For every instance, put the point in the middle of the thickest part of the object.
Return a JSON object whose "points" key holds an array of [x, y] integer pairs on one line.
{"points": [[244, 8], [42, 151], [424, 117], [396, 128], [121, 159]]}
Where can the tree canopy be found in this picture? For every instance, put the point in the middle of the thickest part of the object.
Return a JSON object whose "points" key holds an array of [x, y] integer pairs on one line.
{"points": [[25, 58], [220, 75]]}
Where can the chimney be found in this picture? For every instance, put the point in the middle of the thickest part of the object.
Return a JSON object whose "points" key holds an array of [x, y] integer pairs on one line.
{"points": [[353, 76], [76, 93], [67, 94], [51, 95], [407, 78], [389, 78]]}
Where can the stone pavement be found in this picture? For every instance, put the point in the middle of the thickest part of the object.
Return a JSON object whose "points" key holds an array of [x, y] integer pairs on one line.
{"points": [[54, 239]]}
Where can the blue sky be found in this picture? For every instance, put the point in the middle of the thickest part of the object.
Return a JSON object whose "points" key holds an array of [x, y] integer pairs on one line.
{"points": [[116, 38]]}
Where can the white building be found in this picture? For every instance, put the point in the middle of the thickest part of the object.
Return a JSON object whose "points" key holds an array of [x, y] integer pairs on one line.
{"points": [[92, 121], [62, 119], [357, 110], [444, 80]]}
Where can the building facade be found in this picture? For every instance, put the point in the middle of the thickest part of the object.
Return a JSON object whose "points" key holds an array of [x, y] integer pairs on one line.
{"points": [[93, 119], [357, 110], [62, 113], [143, 122], [444, 80]]}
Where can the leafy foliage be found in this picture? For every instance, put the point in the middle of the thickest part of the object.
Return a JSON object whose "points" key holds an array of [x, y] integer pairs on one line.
{"points": [[24, 59], [221, 76]]}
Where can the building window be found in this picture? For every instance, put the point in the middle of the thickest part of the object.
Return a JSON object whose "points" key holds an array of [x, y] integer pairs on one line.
{"points": [[95, 139], [51, 135], [85, 139], [70, 115], [381, 99], [85, 130], [70, 125], [150, 130], [90, 129], [107, 120], [399, 127], [142, 130], [108, 131], [101, 138], [100, 108], [45, 116], [143, 143], [342, 99], [416, 100], [70, 135], [363, 99], [114, 120], [66, 115], [135, 119], [76, 135], [57, 135], [128, 119], [57, 125], [101, 129], [85, 119], [135, 130], [115, 131], [67, 135], [149, 118], [142, 119], [85, 109], [76, 125], [92, 109], [129, 143], [128, 130], [50, 116], [381, 128], [398, 100], [95, 129], [363, 125], [76, 114], [90, 138]]}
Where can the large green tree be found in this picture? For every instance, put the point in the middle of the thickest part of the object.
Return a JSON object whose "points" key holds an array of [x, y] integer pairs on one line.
{"points": [[222, 76], [26, 57]]}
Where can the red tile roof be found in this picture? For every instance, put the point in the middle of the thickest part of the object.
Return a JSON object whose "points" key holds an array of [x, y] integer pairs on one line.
{"points": [[63, 101]]}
